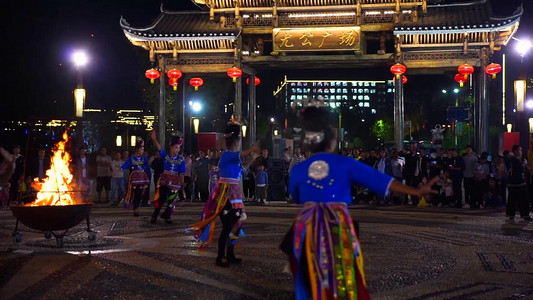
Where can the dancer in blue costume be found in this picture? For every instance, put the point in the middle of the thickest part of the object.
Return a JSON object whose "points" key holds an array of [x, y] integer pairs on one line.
{"points": [[171, 181], [324, 252], [226, 200], [138, 179]]}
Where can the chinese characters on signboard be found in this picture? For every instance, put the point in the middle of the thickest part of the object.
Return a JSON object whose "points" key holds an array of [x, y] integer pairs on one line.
{"points": [[317, 39]]}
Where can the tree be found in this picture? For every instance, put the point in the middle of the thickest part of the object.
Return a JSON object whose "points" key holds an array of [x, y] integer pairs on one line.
{"points": [[383, 129]]}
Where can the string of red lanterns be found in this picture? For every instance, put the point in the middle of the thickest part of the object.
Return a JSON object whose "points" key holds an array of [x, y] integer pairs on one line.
{"points": [[257, 81], [174, 75], [465, 70]]}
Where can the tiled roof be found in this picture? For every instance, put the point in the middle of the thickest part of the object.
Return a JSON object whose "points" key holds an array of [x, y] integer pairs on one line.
{"points": [[459, 17], [184, 25]]}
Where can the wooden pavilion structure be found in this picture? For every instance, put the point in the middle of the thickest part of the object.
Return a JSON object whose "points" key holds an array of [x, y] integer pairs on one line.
{"points": [[270, 34]]}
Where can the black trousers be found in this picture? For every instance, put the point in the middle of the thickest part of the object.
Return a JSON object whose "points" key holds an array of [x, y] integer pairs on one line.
{"points": [[470, 186], [228, 221], [164, 193], [137, 196], [457, 192], [518, 195]]}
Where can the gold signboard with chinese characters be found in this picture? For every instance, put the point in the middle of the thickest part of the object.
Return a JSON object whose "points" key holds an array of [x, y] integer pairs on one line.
{"points": [[317, 39]]}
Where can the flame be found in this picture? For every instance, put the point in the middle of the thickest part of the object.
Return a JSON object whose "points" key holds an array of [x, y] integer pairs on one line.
{"points": [[56, 188]]}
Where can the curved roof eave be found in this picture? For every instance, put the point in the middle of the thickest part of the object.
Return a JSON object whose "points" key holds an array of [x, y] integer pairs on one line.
{"points": [[178, 37], [455, 28]]}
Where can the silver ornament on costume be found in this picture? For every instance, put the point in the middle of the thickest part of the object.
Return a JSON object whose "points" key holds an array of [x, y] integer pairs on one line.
{"points": [[318, 170]]}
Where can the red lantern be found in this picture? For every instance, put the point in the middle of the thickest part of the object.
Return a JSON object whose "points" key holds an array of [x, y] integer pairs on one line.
{"points": [[152, 74], [173, 82], [465, 70], [174, 73], [493, 69], [398, 69], [234, 73], [196, 82], [256, 81], [404, 79], [461, 79]]}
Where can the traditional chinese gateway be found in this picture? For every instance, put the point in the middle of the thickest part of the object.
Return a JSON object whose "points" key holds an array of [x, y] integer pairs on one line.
{"points": [[265, 34]]}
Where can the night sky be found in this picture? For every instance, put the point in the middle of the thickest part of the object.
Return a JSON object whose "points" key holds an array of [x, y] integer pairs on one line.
{"points": [[39, 37]]}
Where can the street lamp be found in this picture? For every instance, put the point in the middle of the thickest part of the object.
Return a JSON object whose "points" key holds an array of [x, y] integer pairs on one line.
{"points": [[195, 107], [80, 59], [523, 46]]}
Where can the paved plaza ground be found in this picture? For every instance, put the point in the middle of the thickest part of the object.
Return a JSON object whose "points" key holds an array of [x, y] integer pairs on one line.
{"points": [[410, 253]]}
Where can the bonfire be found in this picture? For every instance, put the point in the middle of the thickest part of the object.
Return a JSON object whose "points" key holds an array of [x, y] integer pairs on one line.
{"points": [[57, 187]]}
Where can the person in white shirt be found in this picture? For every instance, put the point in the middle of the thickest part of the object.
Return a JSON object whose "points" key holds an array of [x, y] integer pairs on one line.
{"points": [[103, 174]]}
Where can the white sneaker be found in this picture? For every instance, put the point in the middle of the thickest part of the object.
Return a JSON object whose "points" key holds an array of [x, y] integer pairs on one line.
{"points": [[264, 201], [466, 206]]}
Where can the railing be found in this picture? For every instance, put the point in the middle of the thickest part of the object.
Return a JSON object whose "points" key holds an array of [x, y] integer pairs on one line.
{"points": [[421, 39], [290, 3]]}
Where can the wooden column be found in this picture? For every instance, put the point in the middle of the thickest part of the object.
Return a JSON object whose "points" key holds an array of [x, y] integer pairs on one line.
{"points": [[482, 133], [162, 108], [252, 107]]}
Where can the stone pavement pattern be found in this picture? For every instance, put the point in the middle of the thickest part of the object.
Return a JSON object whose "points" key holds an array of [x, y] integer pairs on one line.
{"points": [[409, 253]]}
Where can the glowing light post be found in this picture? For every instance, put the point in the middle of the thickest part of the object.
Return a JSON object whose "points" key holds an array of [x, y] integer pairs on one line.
{"points": [[80, 59], [522, 47], [195, 107]]}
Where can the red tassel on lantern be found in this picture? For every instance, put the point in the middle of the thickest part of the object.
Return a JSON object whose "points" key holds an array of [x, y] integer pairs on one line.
{"points": [[173, 82], [460, 78]]}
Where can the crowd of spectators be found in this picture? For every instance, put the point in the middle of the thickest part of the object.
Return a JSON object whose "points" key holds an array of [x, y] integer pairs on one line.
{"points": [[467, 179]]}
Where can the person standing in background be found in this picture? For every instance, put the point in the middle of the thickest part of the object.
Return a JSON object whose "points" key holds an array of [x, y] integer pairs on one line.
{"points": [[103, 174], [261, 184], [117, 179], [516, 186], [187, 176], [81, 172], [16, 177], [202, 176], [470, 161]]}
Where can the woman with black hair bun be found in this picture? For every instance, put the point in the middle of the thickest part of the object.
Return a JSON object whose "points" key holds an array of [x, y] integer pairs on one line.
{"points": [[171, 181], [322, 245], [226, 201]]}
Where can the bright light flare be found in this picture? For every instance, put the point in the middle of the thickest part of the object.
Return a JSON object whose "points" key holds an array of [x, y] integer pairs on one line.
{"points": [[523, 46], [196, 106], [80, 58]]}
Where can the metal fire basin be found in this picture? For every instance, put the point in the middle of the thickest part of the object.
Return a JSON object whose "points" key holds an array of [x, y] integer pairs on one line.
{"points": [[52, 218]]}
